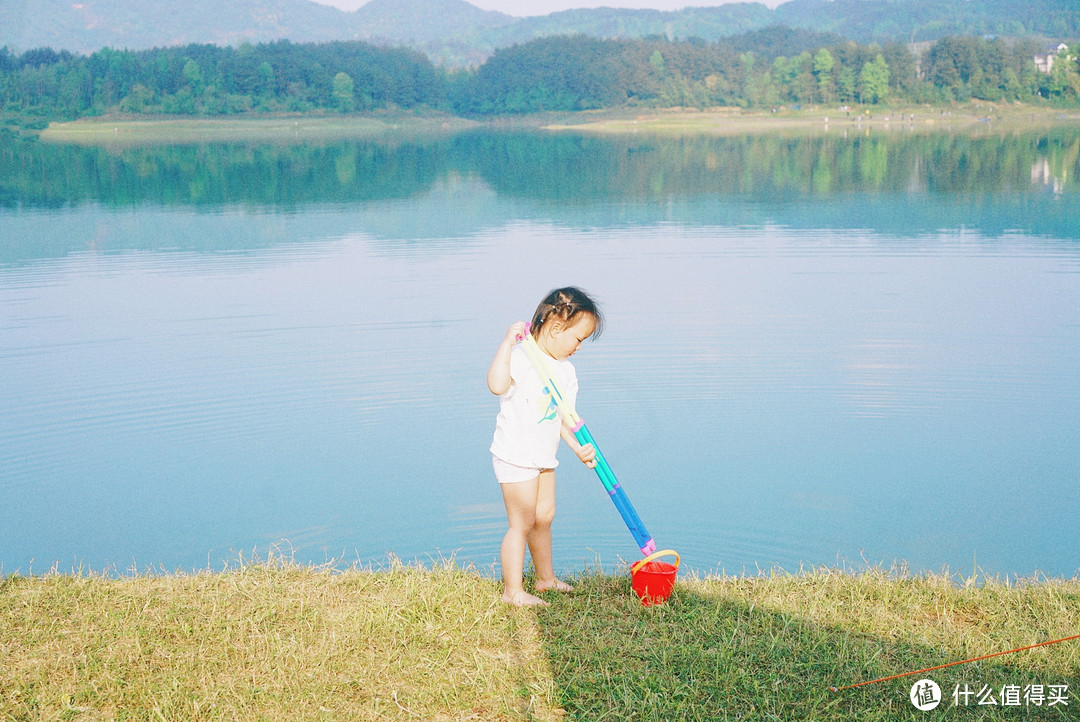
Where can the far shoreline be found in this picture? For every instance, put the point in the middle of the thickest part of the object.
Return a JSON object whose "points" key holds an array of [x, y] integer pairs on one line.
{"points": [[970, 118], [819, 120]]}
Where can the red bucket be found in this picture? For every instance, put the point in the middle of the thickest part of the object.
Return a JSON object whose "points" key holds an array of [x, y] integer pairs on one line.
{"points": [[652, 580]]}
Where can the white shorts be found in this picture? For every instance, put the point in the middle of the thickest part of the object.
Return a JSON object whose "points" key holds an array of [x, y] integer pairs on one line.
{"points": [[508, 473]]}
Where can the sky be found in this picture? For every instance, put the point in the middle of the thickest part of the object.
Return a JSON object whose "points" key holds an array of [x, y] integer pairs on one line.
{"points": [[522, 8]]}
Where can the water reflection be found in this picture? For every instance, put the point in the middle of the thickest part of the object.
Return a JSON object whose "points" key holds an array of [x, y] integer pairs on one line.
{"points": [[885, 175]]}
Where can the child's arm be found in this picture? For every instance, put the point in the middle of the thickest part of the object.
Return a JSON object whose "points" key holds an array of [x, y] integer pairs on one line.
{"points": [[498, 376], [585, 452]]}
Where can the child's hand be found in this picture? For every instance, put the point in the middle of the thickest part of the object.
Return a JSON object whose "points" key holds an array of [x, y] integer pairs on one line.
{"points": [[498, 377], [587, 454], [515, 333]]}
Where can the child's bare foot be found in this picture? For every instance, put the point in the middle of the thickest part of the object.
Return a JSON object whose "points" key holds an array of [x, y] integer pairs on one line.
{"points": [[524, 599], [556, 585]]}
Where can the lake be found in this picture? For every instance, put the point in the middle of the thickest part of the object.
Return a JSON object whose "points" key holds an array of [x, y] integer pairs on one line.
{"points": [[850, 349]]}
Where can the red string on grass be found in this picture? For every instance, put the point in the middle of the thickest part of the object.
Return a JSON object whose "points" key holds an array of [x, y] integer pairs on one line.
{"points": [[952, 664]]}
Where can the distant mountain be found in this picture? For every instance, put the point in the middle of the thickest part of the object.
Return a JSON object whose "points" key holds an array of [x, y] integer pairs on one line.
{"points": [[453, 32], [88, 25], [707, 23], [915, 20], [423, 21]]}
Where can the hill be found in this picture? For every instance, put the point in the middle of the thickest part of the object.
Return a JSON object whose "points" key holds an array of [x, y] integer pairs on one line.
{"points": [[928, 20], [454, 32], [90, 25]]}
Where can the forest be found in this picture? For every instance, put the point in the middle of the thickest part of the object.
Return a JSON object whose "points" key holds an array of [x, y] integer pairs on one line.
{"points": [[766, 68]]}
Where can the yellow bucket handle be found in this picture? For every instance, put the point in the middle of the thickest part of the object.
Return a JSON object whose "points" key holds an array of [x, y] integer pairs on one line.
{"points": [[636, 565]]}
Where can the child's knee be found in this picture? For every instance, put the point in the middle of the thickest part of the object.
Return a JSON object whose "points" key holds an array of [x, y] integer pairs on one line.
{"points": [[523, 523], [544, 517]]}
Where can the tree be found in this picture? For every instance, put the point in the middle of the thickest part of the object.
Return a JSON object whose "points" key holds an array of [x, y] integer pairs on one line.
{"points": [[138, 100], [656, 60], [551, 73], [747, 85], [874, 80], [952, 61], [823, 65], [194, 76], [343, 92], [846, 84], [803, 88], [267, 81], [903, 70], [76, 89]]}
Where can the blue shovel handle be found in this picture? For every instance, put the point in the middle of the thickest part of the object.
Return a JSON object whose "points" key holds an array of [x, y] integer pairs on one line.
{"points": [[618, 495]]}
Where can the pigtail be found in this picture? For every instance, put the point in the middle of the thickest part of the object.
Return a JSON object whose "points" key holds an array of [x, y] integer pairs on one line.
{"points": [[565, 304]]}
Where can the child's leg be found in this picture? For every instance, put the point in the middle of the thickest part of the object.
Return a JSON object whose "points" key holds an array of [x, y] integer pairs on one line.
{"points": [[520, 500], [540, 535]]}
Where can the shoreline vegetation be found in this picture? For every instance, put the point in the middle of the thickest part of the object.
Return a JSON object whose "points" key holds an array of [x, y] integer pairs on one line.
{"points": [[278, 641], [763, 69], [970, 118]]}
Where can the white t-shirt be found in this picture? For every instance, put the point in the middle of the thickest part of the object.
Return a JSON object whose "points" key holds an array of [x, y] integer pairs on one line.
{"points": [[528, 425]]}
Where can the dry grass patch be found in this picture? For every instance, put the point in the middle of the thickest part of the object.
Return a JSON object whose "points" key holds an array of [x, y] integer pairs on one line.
{"points": [[136, 130], [274, 642]]}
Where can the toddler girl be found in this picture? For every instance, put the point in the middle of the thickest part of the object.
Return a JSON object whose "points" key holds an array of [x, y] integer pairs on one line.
{"points": [[527, 433]]}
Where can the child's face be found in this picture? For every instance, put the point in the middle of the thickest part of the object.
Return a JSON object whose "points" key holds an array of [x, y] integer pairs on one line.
{"points": [[563, 341]]}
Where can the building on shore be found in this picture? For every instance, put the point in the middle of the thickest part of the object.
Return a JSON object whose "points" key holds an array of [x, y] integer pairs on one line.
{"points": [[1044, 62]]}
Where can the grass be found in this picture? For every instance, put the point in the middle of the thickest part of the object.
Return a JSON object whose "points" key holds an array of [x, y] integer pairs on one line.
{"points": [[136, 130], [972, 117], [277, 641], [771, 647], [272, 641]]}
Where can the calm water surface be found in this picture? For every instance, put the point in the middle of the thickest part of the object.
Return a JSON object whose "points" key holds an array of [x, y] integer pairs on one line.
{"points": [[829, 351]]}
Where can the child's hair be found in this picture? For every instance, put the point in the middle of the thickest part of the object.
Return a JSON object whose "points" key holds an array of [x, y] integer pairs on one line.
{"points": [[566, 304]]}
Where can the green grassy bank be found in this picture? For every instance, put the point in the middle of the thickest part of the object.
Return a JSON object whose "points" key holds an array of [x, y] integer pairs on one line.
{"points": [[281, 642]]}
